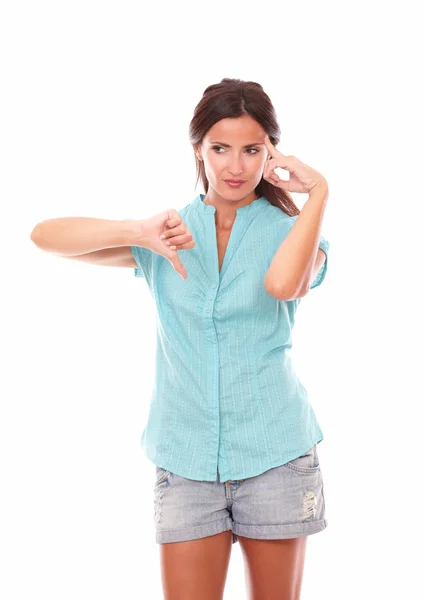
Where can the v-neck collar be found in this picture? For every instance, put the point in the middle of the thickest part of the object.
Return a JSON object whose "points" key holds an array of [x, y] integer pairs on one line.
{"points": [[238, 230]]}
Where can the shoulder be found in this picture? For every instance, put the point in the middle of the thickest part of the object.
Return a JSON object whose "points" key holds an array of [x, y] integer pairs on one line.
{"points": [[277, 215], [183, 211], [276, 212], [275, 226]]}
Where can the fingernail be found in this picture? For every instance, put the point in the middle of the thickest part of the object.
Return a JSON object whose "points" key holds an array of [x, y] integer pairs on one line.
{"points": [[162, 237]]}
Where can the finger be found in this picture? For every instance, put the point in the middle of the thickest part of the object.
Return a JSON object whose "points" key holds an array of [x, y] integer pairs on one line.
{"points": [[178, 266], [173, 218], [269, 173], [177, 230], [271, 148], [284, 185], [178, 239], [282, 161], [273, 178], [184, 245], [280, 183]]}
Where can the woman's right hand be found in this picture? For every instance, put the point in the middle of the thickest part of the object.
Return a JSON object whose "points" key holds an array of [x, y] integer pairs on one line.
{"points": [[176, 233]]}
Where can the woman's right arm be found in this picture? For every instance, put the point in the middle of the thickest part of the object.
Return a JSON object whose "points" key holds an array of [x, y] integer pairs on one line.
{"points": [[108, 242], [101, 242], [73, 236]]}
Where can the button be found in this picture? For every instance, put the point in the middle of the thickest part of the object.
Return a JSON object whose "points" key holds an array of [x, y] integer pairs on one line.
{"points": [[211, 298], [214, 285]]}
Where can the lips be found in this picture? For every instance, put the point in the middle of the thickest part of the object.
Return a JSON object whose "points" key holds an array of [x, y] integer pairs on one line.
{"points": [[233, 185], [234, 180]]}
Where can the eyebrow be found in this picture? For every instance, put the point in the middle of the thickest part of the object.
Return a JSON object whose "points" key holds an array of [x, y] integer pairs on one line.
{"points": [[228, 146]]}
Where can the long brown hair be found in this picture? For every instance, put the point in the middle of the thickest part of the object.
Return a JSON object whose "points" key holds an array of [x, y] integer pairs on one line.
{"points": [[232, 98]]}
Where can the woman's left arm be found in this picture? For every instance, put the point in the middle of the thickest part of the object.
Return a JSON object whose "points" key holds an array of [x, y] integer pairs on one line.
{"points": [[299, 258]]}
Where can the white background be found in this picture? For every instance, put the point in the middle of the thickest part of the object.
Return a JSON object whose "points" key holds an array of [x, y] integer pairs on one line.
{"points": [[96, 100]]}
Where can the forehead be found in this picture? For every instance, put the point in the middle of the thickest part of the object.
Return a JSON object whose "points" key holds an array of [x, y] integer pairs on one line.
{"points": [[240, 129]]}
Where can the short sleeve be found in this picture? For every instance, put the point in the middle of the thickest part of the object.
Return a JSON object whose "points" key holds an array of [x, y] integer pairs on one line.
{"points": [[324, 245], [142, 257]]}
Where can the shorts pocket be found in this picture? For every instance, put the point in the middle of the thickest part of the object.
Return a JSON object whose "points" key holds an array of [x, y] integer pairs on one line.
{"points": [[161, 475], [306, 463]]}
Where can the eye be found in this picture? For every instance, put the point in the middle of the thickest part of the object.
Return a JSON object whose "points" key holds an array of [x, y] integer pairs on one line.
{"points": [[255, 150]]}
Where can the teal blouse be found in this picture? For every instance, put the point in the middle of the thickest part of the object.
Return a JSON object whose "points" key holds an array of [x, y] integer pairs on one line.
{"points": [[226, 398]]}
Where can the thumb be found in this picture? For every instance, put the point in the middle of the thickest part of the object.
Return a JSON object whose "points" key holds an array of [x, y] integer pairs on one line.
{"points": [[177, 265]]}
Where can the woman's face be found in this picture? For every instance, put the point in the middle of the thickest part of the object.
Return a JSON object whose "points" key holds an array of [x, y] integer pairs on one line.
{"points": [[233, 149]]}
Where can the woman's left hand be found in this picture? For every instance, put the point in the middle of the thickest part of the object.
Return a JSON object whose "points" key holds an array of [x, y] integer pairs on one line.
{"points": [[302, 178]]}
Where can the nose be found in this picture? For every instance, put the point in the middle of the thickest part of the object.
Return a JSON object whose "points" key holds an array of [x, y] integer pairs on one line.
{"points": [[235, 167]]}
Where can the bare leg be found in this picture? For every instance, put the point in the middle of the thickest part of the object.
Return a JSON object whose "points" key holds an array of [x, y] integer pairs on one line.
{"points": [[196, 568], [273, 568]]}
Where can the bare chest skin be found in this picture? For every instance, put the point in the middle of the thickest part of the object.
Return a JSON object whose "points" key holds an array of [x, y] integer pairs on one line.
{"points": [[222, 237]]}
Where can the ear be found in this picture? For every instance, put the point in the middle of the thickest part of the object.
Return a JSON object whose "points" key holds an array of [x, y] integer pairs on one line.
{"points": [[197, 152]]}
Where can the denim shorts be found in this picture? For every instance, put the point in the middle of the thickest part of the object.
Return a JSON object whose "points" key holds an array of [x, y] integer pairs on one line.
{"points": [[284, 502]]}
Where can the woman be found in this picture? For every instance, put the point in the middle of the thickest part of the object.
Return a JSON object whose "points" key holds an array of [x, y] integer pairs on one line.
{"points": [[230, 428]]}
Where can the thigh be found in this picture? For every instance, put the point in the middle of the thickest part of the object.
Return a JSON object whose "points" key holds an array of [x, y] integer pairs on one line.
{"points": [[197, 568], [273, 568]]}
